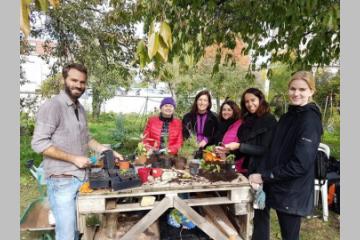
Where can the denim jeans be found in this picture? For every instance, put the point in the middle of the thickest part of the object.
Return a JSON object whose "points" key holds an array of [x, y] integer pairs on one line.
{"points": [[62, 194]]}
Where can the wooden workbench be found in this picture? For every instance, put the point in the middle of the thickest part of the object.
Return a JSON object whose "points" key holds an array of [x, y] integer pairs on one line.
{"points": [[235, 194]]}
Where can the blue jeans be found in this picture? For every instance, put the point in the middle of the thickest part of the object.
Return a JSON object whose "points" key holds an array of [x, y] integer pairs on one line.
{"points": [[62, 194]]}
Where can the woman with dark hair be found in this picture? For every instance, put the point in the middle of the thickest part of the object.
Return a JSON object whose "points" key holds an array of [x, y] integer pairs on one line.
{"points": [[201, 121], [255, 133], [288, 175], [229, 123]]}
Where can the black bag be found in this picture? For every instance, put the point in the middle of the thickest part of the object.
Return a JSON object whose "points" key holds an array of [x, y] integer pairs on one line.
{"points": [[321, 166]]}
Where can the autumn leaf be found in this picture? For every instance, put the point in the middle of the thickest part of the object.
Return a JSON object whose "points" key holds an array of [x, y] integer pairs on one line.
{"points": [[165, 33], [153, 45]]}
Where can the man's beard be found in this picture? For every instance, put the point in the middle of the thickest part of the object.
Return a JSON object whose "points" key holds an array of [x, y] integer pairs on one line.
{"points": [[72, 96]]}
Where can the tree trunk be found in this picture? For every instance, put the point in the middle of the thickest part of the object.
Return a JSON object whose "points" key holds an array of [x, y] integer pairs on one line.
{"points": [[96, 105], [217, 104]]}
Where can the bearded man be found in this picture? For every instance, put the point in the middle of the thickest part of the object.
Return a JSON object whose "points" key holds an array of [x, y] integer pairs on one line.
{"points": [[61, 135]]}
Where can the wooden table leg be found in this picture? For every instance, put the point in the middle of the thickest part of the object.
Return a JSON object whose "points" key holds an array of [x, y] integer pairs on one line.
{"points": [[200, 221], [149, 218]]}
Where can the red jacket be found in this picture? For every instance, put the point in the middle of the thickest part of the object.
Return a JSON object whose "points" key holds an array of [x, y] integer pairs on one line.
{"points": [[153, 130]]}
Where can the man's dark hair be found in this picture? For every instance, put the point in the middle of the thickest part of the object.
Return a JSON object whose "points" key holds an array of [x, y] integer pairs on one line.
{"points": [[77, 66]]}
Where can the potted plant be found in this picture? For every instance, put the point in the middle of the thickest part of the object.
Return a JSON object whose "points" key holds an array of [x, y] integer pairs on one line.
{"points": [[230, 162], [189, 148], [141, 153]]}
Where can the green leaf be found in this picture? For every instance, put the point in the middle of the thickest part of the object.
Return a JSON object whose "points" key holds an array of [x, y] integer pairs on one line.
{"points": [[166, 35], [142, 53], [153, 45]]}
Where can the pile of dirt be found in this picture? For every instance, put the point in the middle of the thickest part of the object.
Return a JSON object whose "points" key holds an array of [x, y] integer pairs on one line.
{"points": [[223, 175]]}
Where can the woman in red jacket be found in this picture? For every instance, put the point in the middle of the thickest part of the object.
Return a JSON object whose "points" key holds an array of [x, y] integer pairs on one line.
{"points": [[164, 132]]}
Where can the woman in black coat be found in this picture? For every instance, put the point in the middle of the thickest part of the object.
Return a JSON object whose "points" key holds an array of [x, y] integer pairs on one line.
{"points": [[255, 133], [288, 175], [201, 121], [255, 136]]}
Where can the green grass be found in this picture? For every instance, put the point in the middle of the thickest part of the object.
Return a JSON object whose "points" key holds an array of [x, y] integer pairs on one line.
{"points": [[311, 229]]}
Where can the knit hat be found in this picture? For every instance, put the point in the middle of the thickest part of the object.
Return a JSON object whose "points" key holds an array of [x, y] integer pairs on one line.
{"points": [[168, 100]]}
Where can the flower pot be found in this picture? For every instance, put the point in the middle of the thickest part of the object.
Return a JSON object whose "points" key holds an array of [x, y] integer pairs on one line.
{"points": [[123, 164], [194, 167], [156, 172], [144, 174], [141, 159], [180, 163]]}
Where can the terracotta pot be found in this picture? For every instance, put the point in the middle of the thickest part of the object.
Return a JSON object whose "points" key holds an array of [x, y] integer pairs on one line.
{"points": [[141, 159], [123, 164]]}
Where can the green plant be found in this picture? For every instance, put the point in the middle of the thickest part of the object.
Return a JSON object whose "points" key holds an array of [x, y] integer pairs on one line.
{"points": [[210, 167], [119, 133], [189, 147], [140, 149], [230, 159]]}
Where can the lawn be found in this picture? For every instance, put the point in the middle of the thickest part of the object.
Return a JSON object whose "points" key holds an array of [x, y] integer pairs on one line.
{"points": [[103, 130]]}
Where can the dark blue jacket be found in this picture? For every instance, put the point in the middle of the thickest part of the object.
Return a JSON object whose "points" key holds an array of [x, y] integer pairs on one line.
{"points": [[289, 169]]}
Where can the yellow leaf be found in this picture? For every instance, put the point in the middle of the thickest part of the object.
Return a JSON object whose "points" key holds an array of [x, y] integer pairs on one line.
{"points": [[54, 3], [163, 51], [165, 33], [24, 17], [153, 45], [42, 5]]}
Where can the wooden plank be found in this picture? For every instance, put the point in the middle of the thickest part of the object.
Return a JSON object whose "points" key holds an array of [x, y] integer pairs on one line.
{"points": [[207, 201], [155, 192], [220, 219], [241, 195], [200, 222], [149, 218], [91, 205], [110, 204]]}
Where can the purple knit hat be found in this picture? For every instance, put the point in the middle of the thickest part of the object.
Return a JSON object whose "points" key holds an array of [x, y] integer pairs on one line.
{"points": [[168, 100]]}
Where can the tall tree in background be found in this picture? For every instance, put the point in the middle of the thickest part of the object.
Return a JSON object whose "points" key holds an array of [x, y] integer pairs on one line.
{"points": [[92, 33]]}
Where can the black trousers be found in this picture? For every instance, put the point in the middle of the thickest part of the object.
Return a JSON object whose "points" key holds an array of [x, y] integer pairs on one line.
{"points": [[289, 225]]}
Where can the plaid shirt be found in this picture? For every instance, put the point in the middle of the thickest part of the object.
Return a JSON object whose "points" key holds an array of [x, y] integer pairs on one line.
{"points": [[58, 126]]}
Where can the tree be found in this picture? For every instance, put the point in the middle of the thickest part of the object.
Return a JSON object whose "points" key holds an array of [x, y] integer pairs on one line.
{"points": [[300, 33], [91, 33]]}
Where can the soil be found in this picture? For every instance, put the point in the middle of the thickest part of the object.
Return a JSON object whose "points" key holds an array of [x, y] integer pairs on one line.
{"points": [[223, 175]]}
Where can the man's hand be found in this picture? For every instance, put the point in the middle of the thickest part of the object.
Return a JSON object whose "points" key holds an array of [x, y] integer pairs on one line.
{"points": [[202, 144], [255, 178], [81, 162], [232, 146], [118, 155]]}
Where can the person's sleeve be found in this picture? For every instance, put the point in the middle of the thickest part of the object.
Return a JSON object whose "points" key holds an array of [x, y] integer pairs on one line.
{"points": [[211, 138], [186, 127], [179, 140], [47, 120], [147, 133], [302, 161], [259, 149]]}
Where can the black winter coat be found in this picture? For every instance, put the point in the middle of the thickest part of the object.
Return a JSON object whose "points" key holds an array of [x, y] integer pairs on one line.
{"points": [[210, 128], [289, 173], [255, 136]]}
